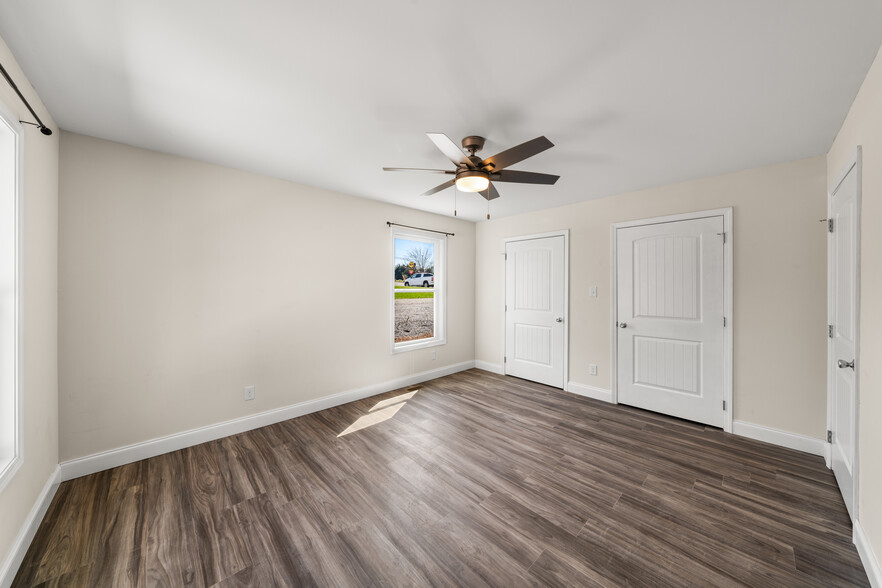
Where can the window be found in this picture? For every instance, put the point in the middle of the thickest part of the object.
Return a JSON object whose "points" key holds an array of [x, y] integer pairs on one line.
{"points": [[10, 166], [419, 289]]}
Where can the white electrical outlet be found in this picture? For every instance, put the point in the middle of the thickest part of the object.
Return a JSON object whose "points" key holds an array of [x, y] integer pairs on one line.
{"points": [[592, 291], [592, 369], [433, 356], [249, 392]]}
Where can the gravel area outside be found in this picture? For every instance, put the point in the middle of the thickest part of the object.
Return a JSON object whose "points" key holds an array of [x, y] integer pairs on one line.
{"points": [[414, 319]]}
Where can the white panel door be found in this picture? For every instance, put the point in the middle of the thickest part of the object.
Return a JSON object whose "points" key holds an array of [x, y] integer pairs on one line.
{"points": [[534, 310], [843, 317], [670, 318]]}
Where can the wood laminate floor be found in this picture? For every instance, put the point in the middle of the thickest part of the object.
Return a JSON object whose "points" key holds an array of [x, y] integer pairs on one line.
{"points": [[469, 480]]}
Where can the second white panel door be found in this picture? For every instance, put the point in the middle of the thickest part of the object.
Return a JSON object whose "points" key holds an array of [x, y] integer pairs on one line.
{"points": [[670, 318], [534, 299]]}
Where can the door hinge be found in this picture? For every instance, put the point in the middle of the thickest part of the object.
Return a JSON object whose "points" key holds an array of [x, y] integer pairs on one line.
{"points": [[830, 331], [829, 436], [506, 308], [505, 256], [724, 237], [504, 359], [724, 321], [724, 406], [829, 225]]}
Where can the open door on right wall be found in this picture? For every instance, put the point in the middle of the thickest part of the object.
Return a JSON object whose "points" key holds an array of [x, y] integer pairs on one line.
{"points": [[843, 263]]}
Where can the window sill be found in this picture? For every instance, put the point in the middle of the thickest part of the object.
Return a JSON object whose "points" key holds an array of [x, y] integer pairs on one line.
{"points": [[408, 346]]}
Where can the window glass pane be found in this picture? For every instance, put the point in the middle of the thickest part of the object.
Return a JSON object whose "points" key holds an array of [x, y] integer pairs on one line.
{"points": [[414, 290]]}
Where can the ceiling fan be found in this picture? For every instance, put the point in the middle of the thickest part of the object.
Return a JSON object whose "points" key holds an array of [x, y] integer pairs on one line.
{"points": [[472, 174]]}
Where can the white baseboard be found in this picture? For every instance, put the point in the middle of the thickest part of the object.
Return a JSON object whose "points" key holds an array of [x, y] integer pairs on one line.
{"points": [[97, 462], [828, 455], [23, 540], [489, 367], [778, 437], [868, 557], [589, 391]]}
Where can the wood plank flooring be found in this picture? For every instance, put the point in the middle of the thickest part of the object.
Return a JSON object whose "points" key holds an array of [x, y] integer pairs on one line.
{"points": [[469, 480]]}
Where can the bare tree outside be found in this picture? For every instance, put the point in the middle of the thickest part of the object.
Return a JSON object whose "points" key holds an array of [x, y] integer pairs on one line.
{"points": [[422, 257]]}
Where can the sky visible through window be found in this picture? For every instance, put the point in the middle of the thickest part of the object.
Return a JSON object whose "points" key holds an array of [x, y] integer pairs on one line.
{"points": [[403, 246]]}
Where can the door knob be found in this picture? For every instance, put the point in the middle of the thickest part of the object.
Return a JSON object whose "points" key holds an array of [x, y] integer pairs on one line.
{"points": [[559, 319], [623, 325], [845, 364]]}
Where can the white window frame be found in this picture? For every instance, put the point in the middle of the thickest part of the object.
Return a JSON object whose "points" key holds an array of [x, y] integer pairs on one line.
{"points": [[10, 384], [440, 288]]}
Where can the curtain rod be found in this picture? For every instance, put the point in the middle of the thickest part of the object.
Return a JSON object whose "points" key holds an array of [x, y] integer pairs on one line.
{"points": [[43, 128], [391, 224]]}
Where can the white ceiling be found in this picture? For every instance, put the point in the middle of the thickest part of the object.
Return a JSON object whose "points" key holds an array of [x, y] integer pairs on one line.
{"points": [[634, 93]]}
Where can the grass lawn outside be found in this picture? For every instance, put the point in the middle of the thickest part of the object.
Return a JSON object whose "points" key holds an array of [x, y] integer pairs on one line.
{"points": [[409, 295]]}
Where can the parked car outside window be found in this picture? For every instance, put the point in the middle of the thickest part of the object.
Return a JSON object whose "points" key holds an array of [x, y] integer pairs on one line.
{"points": [[424, 280]]}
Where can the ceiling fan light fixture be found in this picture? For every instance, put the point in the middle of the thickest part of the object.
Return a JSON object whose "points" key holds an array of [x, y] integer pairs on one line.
{"points": [[472, 181]]}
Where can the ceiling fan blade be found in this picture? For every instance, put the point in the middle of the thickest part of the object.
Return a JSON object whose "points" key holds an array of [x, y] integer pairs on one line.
{"points": [[443, 186], [518, 153], [418, 169], [522, 177], [449, 148], [490, 193]]}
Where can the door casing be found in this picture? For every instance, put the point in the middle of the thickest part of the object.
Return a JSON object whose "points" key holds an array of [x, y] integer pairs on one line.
{"points": [[728, 290], [853, 163], [565, 233]]}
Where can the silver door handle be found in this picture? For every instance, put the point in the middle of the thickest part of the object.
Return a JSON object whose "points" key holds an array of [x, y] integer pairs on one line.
{"points": [[623, 325], [559, 319], [845, 364]]}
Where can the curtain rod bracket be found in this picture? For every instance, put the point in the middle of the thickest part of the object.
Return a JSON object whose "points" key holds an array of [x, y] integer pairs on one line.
{"points": [[39, 124]]}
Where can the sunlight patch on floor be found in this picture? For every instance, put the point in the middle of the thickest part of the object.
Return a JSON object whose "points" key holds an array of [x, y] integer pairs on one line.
{"points": [[381, 411]]}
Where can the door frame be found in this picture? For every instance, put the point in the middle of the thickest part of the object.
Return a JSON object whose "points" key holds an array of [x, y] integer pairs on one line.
{"points": [[728, 307], [854, 162], [565, 233]]}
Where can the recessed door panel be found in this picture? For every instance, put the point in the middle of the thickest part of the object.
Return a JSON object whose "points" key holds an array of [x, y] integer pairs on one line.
{"points": [[667, 276], [533, 280], [668, 364], [533, 344]]}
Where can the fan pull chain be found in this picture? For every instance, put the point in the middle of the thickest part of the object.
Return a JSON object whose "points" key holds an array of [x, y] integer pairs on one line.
{"points": [[488, 203], [455, 192]]}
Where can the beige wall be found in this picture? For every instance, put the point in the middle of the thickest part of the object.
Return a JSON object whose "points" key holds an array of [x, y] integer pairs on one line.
{"points": [[182, 282], [39, 241], [780, 288], [863, 126]]}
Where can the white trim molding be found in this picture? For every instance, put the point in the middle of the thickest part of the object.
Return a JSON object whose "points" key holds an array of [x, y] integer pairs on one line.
{"points": [[868, 557], [98, 462], [778, 437], [22, 541], [11, 386], [589, 391], [494, 368]]}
